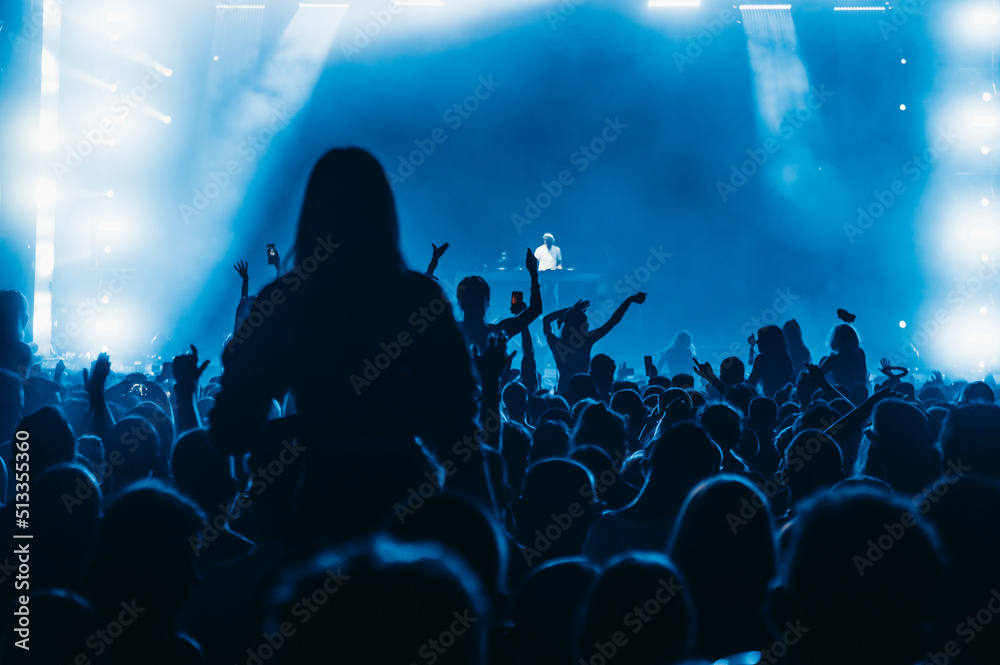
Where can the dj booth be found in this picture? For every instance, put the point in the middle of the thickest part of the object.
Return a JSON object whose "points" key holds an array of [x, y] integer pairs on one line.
{"points": [[560, 288]]}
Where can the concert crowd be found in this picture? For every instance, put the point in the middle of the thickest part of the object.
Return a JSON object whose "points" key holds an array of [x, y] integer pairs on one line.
{"points": [[373, 476]]}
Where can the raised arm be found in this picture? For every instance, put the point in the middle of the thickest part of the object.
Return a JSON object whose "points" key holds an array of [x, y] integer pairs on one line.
{"points": [[515, 324], [101, 420], [817, 376], [241, 268], [705, 371], [616, 318], [186, 376], [436, 254]]}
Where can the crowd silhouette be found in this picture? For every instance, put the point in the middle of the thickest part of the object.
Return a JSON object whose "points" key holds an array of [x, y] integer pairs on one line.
{"points": [[370, 480]]}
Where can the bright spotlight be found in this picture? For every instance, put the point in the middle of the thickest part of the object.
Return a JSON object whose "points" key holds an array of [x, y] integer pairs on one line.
{"points": [[985, 150], [110, 193], [982, 364], [983, 233], [984, 121], [215, 58], [985, 258], [168, 72], [45, 193], [117, 17], [107, 249], [902, 324], [674, 3], [903, 61], [113, 88], [113, 142], [987, 96], [110, 226], [166, 121], [983, 310], [980, 338], [985, 202], [986, 18], [902, 107], [107, 325], [47, 139]]}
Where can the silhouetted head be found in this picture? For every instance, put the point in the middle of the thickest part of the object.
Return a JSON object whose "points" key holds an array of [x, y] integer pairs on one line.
{"points": [[770, 339], [50, 437], [581, 386], [813, 462], [548, 239], [555, 509], [844, 339], [545, 610], [682, 381], [792, 333], [640, 603], [202, 473], [602, 428], [628, 404], [977, 391], [860, 582], [971, 435], [723, 424], [550, 439], [602, 368], [480, 540], [131, 448], [348, 201], [732, 371], [740, 396], [723, 543], [515, 442], [682, 340], [610, 486], [382, 602], [515, 400], [763, 412], [473, 296]]}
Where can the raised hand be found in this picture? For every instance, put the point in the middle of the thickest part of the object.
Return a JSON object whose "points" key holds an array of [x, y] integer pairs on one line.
{"points": [[531, 262], [638, 298], [704, 370], [60, 368], [438, 252], [624, 372], [94, 382], [492, 362], [241, 268], [846, 316], [186, 370]]}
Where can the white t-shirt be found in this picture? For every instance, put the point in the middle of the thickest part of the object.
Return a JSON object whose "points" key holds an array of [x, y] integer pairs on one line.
{"points": [[548, 259]]}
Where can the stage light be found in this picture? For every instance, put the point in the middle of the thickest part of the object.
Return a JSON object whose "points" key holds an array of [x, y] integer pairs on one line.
{"points": [[110, 194], [113, 142], [985, 202], [113, 88], [117, 17], [985, 150], [859, 9], [984, 121], [980, 338], [47, 139], [105, 299], [985, 258], [983, 310], [903, 61], [45, 259], [109, 226], [982, 364], [744, 8], [215, 58], [902, 107], [107, 249], [45, 193], [902, 324], [987, 96], [983, 233], [674, 3], [986, 18], [166, 120]]}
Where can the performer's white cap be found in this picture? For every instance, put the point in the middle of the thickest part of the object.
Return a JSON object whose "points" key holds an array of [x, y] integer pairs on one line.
{"points": [[548, 235]]}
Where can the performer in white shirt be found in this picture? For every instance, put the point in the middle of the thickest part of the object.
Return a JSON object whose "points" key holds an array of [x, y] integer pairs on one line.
{"points": [[549, 255]]}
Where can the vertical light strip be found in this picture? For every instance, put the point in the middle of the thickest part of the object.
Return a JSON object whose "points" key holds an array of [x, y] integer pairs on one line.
{"points": [[45, 224]]}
